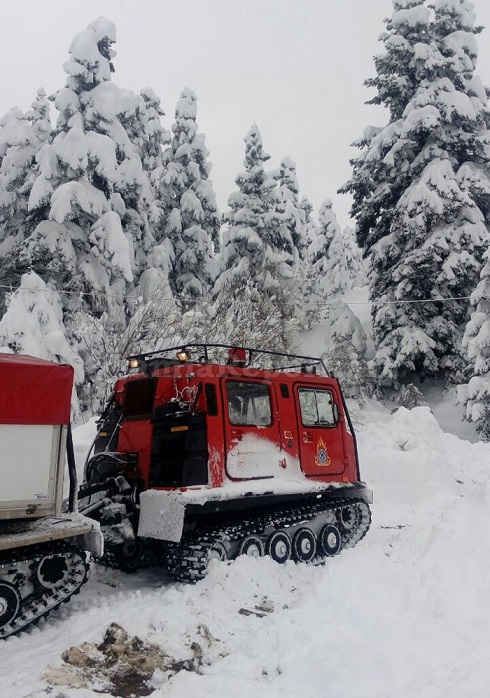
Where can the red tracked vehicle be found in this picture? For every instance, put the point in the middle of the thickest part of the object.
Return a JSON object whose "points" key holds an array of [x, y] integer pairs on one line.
{"points": [[212, 451]]}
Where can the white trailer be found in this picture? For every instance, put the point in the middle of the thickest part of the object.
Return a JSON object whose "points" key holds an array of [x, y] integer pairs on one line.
{"points": [[43, 559]]}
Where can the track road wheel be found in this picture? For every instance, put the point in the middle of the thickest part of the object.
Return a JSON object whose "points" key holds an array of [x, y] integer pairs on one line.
{"points": [[279, 546], [347, 517], [52, 570], [216, 551], [9, 603], [130, 555], [304, 545], [251, 546], [330, 540]]}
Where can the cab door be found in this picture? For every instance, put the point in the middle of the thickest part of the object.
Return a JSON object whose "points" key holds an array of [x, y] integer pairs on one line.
{"points": [[251, 429], [320, 431]]}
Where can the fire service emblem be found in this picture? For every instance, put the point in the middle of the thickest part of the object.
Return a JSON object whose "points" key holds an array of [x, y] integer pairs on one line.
{"points": [[322, 458]]}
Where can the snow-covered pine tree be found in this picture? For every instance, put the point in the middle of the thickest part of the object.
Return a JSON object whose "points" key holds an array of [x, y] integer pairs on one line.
{"points": [[475, 395], [257, 294], [20, 147], [353, 258], [329, 280], [328, 263], [309, 229], [410, 396], [421, 192], [10, 124], [33, 324], [408, 58], [22, 135], [80, 246], [134, 197], [91, 201], [12, 128], [309, 225], [294, 217], [190, 218], [289, 206], [348, 364], [376, 183]]}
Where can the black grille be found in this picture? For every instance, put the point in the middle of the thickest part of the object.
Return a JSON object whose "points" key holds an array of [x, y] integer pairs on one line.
{"points": [[139, 397]]}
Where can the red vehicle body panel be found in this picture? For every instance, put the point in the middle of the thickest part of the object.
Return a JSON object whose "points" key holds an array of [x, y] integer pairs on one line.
{"points": [[283, 442]]}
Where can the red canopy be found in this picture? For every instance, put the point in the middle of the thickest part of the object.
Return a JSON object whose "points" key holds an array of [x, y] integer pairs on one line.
{"points": [[34, 391]]}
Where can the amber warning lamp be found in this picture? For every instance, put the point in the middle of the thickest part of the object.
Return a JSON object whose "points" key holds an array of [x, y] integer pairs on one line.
{"points": [[183, 355]]}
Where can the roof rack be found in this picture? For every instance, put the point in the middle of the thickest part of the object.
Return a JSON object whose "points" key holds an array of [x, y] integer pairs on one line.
{"points": [[210, 353]]}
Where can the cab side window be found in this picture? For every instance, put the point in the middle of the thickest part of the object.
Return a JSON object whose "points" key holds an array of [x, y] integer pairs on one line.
{"points": [[316, 407], [248, 403]]}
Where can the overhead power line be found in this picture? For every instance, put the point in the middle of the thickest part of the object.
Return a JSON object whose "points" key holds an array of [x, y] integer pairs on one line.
{"points": [[418, 300], [91, 294], [95, 294]]}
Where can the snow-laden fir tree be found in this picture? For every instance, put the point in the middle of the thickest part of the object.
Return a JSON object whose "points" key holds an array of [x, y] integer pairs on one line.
{"points": [[33, 324], [475, 395], [309, 226], [376, 182], [22, 135], [142, 211], [93, 194], [329, 281], [12, 130], [293, 214], [345, 358], [189, 219], [421, 190], [91, 203], [328, 263], [153, 134], [139, 116], [294, 218], [79, 245], [257, 293], [408, 59], [353, 259], [410, 396], [310, 306]]}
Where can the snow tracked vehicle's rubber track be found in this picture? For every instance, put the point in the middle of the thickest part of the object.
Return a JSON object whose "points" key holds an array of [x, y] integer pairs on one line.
{"points": [[304, 533], [35, 580]]}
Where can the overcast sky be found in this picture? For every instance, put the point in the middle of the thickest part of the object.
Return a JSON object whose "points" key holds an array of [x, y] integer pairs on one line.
{"points": [[294, 67]]}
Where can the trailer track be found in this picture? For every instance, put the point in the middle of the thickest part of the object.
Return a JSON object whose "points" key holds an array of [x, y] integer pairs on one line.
{"points": [[35, 580]]}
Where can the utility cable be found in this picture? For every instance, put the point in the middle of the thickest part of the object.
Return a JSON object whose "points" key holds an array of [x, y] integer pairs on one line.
{"points": [[93, 294]]}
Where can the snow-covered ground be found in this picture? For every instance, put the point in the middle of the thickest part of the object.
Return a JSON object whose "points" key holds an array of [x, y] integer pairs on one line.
{"points": [[405, 614]]}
